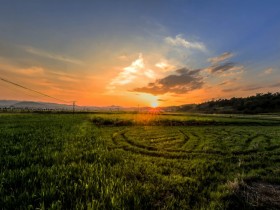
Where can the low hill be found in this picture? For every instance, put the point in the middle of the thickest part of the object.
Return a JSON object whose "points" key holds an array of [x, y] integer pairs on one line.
{"points": [[7, 103], [260, 103]]}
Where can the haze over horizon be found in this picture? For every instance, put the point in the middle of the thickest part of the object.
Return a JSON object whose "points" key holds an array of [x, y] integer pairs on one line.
{"points": [[132, 53]]}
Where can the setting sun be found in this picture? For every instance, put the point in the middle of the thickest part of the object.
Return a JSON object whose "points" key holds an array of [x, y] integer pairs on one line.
{"points": [[154, 104]]}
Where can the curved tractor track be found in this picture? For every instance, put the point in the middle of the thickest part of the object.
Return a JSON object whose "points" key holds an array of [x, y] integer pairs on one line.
{"points": [[177, 143]]}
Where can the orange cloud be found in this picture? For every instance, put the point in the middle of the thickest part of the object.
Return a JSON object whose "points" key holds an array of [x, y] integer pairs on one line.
{"points": [[179, 41], [54, 56], [182, 82], [137, 70], [266, 71], [164, 65], [221, 58]]}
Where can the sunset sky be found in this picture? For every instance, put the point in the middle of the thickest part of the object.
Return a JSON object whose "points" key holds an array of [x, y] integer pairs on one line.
{"points": [[139, 52]]}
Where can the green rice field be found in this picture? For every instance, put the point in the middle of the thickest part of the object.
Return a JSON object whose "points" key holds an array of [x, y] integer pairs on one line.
{"points": [[139, 161]]}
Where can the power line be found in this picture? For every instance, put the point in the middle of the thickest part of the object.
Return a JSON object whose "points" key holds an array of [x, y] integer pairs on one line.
{"points": [[18, 91], [26, 88]]}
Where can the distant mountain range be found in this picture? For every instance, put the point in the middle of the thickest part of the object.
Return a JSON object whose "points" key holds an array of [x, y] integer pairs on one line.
{"points": [[7, 103], [32, 105], [12, 104]]}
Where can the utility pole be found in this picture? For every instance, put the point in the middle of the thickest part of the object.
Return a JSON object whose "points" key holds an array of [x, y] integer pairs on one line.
{"points": [[74, 104]]}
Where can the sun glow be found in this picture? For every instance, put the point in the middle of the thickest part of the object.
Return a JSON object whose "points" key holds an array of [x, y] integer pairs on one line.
{"points": [[154, 104]]}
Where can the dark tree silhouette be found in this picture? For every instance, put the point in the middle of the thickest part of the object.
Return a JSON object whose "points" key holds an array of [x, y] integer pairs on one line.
{"points": [[260, 103]]}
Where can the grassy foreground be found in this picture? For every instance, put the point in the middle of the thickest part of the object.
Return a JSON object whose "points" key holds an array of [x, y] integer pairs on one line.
{"points": [[130, 161]]}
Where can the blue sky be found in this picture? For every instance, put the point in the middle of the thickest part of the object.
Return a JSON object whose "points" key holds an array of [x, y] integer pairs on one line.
{"points": [[139, 52]]}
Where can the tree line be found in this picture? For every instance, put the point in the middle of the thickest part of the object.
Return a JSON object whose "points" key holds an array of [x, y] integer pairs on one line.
{"points": [[259, 103]]}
